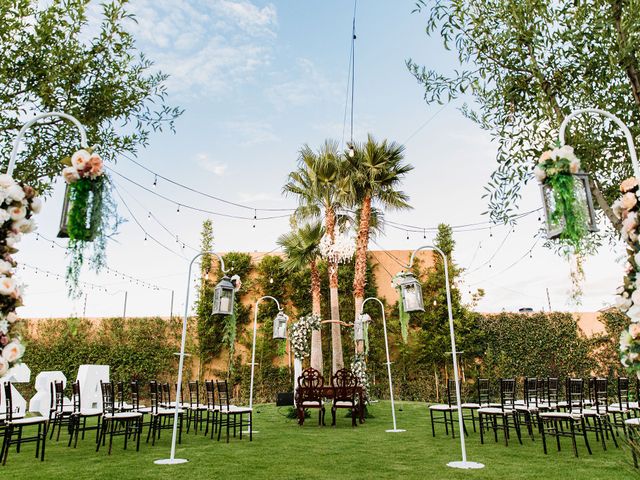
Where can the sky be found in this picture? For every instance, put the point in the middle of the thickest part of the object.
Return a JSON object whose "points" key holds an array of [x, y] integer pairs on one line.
{"points": [[258, 80]]}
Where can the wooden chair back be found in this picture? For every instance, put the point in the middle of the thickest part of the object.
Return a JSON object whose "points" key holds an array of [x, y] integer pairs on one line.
{"points": [[344, 384]]}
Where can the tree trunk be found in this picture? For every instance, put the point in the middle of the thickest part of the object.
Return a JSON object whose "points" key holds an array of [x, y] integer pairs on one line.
{"points": [[360, 272], [337, 361], [316, 335]]}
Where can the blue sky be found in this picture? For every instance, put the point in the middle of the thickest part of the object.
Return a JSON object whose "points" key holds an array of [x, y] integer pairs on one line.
{"points": [[259, 79]]}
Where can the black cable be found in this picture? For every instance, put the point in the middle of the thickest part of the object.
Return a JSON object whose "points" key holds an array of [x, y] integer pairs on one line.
{"points": [[353, 63], [199, 192], [197, 209], [528, 252]]}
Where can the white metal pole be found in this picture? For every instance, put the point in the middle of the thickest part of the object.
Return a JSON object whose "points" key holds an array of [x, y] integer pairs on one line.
{"points": [[172, 460], [611, 116], [464, 464], [25, 127], [386, 348]]}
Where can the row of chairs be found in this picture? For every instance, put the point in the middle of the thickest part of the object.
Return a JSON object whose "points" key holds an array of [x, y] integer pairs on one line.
{"points": [[126, 417], [585, 408]]}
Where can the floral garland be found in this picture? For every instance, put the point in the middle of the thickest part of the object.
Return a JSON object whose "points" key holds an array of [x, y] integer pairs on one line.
{"points": [[627, 208], [556, 169], [359, 369], [403, 316], [300, 335], [90, 211], [339, 250], [18, 204]]}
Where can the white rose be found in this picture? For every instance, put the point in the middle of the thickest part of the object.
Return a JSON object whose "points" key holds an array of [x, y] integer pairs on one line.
{"points": [[7, 285], [24, 226], [5, 267], [635, 297], [539, 173], [11, 317], [17, 212], [623, 303], [625, 340], [13, 239], [36, 204], [634, 313], [4, 215], [80, 159], [617, 208], [566, 151], [15, 192], [13, 351], [6, 181], [70, 174], [4, 366]]}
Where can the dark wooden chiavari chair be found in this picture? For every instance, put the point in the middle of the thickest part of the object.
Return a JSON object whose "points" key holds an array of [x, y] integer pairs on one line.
{"points": [[231, 415], [61, 412], [446, 409], [212, 409], [499, 417], [117, 423], [195, 409], [161, 418], [79, 416]]}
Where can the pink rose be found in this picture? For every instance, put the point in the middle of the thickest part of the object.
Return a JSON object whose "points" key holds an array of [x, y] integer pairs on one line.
{"points": [[634, 330], [95, 163], [629, 201], [628, 184], [545, 156]]}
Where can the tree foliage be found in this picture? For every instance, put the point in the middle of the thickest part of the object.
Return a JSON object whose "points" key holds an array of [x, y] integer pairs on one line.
{"points": [[526, 66], [53, 59]]}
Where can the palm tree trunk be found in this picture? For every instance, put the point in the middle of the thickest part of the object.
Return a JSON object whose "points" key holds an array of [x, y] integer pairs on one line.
{"points": [[316, 335], [337, 361], [360, 272]]}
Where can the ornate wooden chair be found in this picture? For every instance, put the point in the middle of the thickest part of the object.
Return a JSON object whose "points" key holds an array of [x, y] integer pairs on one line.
{"points": [[345, 394], [15, 425], [310, 395]]}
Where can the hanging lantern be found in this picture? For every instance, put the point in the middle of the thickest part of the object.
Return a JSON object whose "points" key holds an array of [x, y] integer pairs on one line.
{"points": [[358, 326], [280, 326], [223, 296], [582, 194], [62, 232], [411, 292]]}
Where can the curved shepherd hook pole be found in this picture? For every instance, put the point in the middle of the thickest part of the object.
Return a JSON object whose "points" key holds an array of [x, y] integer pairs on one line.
{"points": [[25, 127], [386, 348], [172, 460], [253, 349], [464, 464], [611, 116]]}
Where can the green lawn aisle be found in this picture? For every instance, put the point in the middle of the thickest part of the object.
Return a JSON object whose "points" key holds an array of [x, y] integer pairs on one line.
{"points": [[283, 450]]}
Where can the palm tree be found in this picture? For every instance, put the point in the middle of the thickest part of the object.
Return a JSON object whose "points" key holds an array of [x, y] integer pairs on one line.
{"points": [[321, 185], [375, 174], [301, 248]]}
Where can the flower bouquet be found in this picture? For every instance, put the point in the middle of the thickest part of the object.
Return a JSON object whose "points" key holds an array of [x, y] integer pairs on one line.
{"points": [[300, 335]]}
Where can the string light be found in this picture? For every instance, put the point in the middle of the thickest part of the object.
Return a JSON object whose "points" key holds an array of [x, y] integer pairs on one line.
{"points": [[155, 181]]}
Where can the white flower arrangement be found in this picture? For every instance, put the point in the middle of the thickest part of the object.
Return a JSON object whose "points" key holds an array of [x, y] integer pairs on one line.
{"points": [[359, 369], [628, 298], [340, 250], [17, 206], [300, 335], [84, 164]]}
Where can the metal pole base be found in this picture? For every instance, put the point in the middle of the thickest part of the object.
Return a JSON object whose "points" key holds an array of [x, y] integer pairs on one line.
{"points": [[465, 465], [395, 430], [170, 461]]}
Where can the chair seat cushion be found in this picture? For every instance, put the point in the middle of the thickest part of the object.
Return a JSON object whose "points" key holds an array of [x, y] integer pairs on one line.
{"points": [[167, 411], [343, 403], [233, 409], [615, 408], [89, 412], [633, 422], [122, 415], [28, 420], [441, 407], [471, 405], [314, 403], [561, 415], [525, 408], [199, 406], [495, 411]]}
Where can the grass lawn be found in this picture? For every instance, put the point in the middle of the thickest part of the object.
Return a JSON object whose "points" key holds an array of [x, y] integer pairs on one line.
{"points": [[283, 450]]}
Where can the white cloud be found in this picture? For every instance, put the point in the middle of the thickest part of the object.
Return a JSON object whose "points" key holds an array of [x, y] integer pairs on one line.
{"points": [[207, 47], [250, 132], [213, 166]]}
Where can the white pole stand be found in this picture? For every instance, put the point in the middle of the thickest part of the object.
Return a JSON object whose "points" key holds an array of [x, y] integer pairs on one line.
{"points": [[466, 465], [170, 461], [395, 430]]}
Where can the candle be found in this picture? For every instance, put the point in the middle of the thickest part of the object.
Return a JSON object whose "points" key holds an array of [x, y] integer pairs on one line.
{"points": [[224, 304]]}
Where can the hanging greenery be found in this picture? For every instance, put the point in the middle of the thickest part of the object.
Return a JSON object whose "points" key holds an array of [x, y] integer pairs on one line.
{"points": [[556, 168], [628, 300], [17, 206], [91, 213]]}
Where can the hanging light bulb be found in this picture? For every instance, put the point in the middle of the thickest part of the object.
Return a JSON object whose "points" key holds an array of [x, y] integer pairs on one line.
{"points": [[178, 209], [435, 303], [149, 216], [424, 234], [407, 235], [271, 280], [155, 180], [254, 219], [145, 238], [351, 150]]}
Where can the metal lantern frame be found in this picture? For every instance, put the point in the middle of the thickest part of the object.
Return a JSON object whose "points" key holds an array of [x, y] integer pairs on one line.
{"points": [[411, 293], [280, 326], [582, 193], [359, 326], [224, 290]]}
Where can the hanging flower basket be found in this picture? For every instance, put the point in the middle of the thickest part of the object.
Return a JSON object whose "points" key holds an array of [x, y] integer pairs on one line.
{"points": [[566, 197], [300, 335]]}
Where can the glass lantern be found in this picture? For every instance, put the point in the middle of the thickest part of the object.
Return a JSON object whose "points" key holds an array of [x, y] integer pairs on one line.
{"points": [[280, 326], [358, 326], [64, 218], [223, 296], [411, 292], [582, 193]]}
